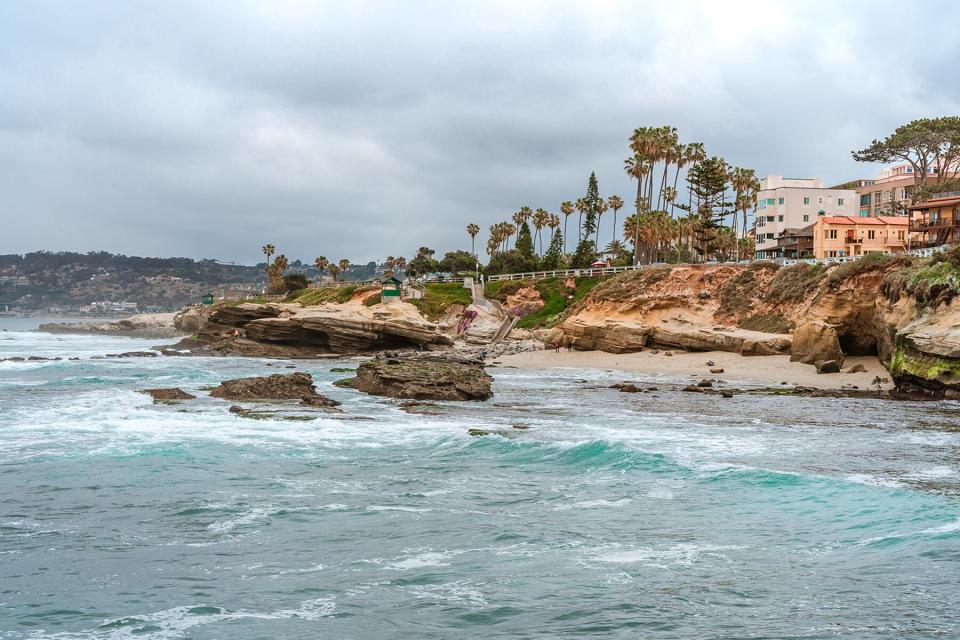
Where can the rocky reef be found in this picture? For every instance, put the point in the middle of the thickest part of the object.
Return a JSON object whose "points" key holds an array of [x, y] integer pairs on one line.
{"points": [[424, 378], [148, 325]]}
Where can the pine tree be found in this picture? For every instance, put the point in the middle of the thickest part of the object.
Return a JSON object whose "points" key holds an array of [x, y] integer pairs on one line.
{"points": [[554, 255], [525, 241], [586, 251]]}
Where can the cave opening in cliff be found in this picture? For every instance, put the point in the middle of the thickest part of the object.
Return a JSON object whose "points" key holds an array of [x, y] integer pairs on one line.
{"points": [[858, 344]]}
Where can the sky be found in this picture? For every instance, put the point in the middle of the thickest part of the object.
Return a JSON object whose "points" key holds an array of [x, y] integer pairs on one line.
{"points": [[365, 129]]}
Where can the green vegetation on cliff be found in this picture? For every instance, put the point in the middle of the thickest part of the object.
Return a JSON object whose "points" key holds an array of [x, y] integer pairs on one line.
{"points": [[929, 282], [557, 298], [438, 298]]}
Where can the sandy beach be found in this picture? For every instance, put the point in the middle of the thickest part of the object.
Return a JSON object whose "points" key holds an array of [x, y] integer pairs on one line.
{"points": [[752, 370]]}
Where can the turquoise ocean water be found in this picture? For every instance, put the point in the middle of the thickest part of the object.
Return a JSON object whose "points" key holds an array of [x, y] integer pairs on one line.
{"points": [[664, 515]]}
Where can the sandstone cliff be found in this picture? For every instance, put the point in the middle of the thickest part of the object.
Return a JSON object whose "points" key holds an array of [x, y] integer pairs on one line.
{"points": [[894, 308], [291, 330]]}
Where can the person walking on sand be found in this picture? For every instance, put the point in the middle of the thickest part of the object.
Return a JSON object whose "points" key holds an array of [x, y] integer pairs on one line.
{"points": [[556, 346], [570, 344]]}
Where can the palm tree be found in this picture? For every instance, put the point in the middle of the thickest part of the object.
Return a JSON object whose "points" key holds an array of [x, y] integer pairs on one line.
{"points": [[566, 208], [518, 219], [334, 271], [321, 263], [401, 263], [615, 204], [581, 206], [540, 220], [472, 231], [602, 207], [344, 264], [268, 250], [553, 223]]}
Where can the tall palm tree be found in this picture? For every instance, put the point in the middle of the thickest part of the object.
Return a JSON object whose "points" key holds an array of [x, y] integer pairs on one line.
{"points": [[553, 223], [540, 220], [268, 250], [472, 231], [615, 204], [602, 207], [581, 206], [401, 263], [321, 262], [566, 208], [518, 219], [344, 264]]}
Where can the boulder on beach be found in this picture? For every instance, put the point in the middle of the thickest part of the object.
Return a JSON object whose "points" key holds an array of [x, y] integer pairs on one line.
{"points": [[827, 366], [168, 395], [292, 386], [815, 340], [424, 378]]}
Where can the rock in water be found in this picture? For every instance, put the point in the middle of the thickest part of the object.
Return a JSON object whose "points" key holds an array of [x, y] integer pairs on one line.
{"points": [[424, 378], [168, 395], [293, 386]]}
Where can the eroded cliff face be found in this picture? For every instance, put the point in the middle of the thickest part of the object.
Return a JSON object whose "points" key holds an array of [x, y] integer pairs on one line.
{"points": [[755, 309], [291, 330]]}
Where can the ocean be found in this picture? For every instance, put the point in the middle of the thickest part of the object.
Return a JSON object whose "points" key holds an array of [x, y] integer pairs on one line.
{"points": [[655, 515]]}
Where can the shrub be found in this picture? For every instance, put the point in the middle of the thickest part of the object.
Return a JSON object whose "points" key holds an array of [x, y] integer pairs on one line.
{"points": [[295, 282], [793, 283], [500, 289], [372, 300], [869, 262]]}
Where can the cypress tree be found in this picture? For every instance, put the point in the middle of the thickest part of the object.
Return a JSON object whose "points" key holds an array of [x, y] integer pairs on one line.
{"points": [[554, 254], [525, 241]]}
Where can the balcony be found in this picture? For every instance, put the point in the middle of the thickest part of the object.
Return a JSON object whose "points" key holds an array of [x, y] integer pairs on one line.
{"points": [[923, 226], [852, 240]]}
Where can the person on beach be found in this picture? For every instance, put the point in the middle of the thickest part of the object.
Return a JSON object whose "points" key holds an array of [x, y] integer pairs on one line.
{"points": [[570, 344], [236, 334], [556, 346]]}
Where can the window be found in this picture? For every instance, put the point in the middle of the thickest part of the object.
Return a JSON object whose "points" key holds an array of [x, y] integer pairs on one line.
{"points": [[819, 200], [871, 234], [771, 201], [833, 234], [781, 200], [806, 201], [900, 235], [865, 200], [839, 202], [780, 218], [806, 217], [763, 204], [864, 213]]}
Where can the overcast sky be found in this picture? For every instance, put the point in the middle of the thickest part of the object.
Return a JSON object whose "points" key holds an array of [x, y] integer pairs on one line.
{"points": [[359, 130]]}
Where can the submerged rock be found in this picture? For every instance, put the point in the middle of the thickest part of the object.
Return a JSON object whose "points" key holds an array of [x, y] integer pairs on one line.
{"points": [[168, 395], [424, 378]]}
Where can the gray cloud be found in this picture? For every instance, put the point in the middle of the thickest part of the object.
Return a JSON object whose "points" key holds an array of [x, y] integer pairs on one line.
{"points": [[365, 129]]}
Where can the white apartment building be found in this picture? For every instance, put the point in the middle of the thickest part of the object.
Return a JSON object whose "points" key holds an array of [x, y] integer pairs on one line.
{"points": [[794, 203]]}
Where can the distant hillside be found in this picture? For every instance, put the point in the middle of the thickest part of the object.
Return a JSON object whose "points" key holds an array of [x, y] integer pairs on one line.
{"points": [[70, 281]]}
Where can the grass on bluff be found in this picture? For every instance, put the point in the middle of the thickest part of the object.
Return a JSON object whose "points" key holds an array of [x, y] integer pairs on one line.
{"points": [[439, 297], [557, 298], [321, 295], [930, 282]]}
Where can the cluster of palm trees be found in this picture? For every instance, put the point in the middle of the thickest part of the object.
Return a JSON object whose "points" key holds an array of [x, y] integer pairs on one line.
{"points": [[333, 268], [501, 232], [278, 267], [657, 151]]}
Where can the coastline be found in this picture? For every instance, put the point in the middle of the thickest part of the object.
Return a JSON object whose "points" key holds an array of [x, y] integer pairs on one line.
{"points": [[768, 371]]}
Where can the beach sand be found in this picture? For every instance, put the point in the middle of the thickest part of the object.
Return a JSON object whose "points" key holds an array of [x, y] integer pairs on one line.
{"points": [[752, 370]]}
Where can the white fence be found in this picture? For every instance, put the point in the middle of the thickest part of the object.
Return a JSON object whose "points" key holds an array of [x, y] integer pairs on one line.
{"points": [[602, 271]]}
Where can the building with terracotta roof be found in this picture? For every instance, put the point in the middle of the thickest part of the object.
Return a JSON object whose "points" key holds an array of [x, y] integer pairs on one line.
{"points": [[937, 221], [846, 236], [793, 203]]}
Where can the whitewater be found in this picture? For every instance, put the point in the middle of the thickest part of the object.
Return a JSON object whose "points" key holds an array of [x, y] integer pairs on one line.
{"points": [[658, 515]]}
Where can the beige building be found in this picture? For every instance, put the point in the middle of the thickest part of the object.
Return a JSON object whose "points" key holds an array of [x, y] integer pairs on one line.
{"points": [[792, 203], [846, 236]]}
